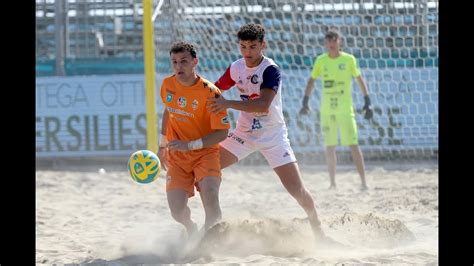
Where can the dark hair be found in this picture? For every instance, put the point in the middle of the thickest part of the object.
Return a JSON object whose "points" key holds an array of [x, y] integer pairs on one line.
{"points": [[181, 46], [332, 34], [251, 32]]}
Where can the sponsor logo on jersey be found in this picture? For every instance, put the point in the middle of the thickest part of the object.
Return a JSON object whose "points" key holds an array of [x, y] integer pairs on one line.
{"points": [[239, 140], [178, 111], [256, 124], [180, 118], [342, 66], [182, 102], [225, 120], [169, 97], [328, 83], [195, 104]]}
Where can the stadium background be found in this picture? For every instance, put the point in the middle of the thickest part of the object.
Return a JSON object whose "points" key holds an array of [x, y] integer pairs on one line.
{"points": [[90, 98]]}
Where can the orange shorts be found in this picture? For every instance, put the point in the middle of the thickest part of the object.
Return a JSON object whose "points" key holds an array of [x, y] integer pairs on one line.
{"points": [[186, 169]]}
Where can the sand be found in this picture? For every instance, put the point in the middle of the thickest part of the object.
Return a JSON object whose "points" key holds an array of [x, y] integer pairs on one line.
{"points": [[103, 217]]}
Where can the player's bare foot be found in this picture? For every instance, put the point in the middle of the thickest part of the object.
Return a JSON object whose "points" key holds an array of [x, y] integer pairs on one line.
{"points": [[318, 233], [324, 241], [332, 187], [192, 230], [364, 187], [327, 242]]}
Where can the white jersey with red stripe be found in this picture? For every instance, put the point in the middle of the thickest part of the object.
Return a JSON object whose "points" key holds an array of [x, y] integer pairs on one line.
{"points": [[249, 82]]}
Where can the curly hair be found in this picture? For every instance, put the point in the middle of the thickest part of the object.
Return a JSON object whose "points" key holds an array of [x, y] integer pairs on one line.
{"points": [[251, 32], [181, 46]]}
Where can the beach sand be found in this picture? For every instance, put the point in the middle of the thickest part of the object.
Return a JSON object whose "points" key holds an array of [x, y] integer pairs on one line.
{"points": [[103, 217]]}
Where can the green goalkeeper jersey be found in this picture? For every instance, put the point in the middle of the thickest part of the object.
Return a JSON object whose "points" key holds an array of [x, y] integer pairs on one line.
{"points": [[336, 75]]}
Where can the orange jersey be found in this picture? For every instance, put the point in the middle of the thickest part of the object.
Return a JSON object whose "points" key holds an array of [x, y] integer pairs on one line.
{"points": [[189, 118]]}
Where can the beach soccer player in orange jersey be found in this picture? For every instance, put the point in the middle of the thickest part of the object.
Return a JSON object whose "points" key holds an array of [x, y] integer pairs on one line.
{"points": [[190, 136]]}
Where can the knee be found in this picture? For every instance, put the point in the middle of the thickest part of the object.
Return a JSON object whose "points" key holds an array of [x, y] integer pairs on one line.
{"points": [[210, 191], [210, 197]]}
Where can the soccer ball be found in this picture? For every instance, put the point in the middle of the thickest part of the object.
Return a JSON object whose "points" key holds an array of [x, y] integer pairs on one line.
{"points": [[144, 166]]}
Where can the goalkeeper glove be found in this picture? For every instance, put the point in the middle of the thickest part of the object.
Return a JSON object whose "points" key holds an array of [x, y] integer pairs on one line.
{"points": [[305, 109], [367, 109]]}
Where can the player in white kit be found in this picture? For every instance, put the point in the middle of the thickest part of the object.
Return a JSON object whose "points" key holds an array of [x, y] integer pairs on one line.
{"points": [[261, 126]]}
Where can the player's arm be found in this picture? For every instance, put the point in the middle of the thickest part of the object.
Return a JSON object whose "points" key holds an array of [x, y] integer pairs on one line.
{"points": [[261, 104], [367, 109], [214, 137], [210, 139], [220, 126], [219, 123], [164, 123], [355, 72], [315, 72], [309, 87], [163, 142], [225, 82], [268, 89], [305, 109], [362, 85]]}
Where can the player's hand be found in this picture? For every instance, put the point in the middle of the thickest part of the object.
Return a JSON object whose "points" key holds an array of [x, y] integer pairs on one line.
{"points": [[178, 145], [305, 110], [216, 104], [163, 156], [367, 109]]}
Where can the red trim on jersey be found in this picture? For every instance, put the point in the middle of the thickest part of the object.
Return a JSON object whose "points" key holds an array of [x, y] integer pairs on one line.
{"points": [[225, 82]]}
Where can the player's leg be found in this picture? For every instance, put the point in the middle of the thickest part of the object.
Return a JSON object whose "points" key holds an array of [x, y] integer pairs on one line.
{"points": [[226, 157], [178, 203], [208, 179], [349, 137], [234, 148], [209, 191], [358, 158], [329, 127], [290, 177], [179, 187], [281, 158], [331, 161]]}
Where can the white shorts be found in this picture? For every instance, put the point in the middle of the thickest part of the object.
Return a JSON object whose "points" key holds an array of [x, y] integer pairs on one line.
{"points": [[273, 143]]}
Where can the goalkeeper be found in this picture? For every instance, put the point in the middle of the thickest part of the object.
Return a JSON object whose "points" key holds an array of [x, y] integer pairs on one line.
{"points": [[337, 69]]}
